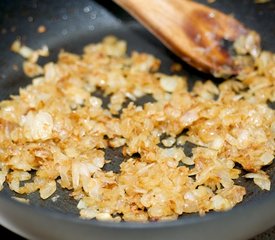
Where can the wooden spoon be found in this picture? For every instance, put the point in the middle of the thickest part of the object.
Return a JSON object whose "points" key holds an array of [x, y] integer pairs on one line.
{"points": [[193, 31]]}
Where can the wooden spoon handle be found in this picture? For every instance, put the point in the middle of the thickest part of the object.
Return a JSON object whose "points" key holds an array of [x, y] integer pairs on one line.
{"points": [[191, 30]]}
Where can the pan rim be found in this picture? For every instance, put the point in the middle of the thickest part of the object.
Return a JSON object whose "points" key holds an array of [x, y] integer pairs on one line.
{"points": [[240, 209]]}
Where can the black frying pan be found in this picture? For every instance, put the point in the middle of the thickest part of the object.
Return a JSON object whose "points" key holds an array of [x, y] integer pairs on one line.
{"points": [[70, 25]]}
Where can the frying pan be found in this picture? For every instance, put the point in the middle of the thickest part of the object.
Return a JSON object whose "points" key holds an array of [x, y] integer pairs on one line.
{"points": [[70, 25]]}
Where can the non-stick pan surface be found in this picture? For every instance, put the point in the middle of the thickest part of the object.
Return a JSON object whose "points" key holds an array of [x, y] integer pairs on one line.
{"points": [[70, 25]]}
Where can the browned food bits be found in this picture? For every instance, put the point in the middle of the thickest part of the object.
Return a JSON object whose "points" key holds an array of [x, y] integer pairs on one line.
{"points": [[58, 129], [41, 29]]}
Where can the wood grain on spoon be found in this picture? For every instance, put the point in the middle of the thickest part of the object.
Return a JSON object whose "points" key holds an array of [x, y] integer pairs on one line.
{"points": [[191, 30]]}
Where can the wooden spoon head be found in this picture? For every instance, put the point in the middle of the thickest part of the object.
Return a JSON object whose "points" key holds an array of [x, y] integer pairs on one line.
{"points": [[193, 31], [211, 36]]}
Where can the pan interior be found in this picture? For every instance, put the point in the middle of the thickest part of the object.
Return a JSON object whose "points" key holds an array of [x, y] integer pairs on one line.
{"points": [[73, 24]]}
